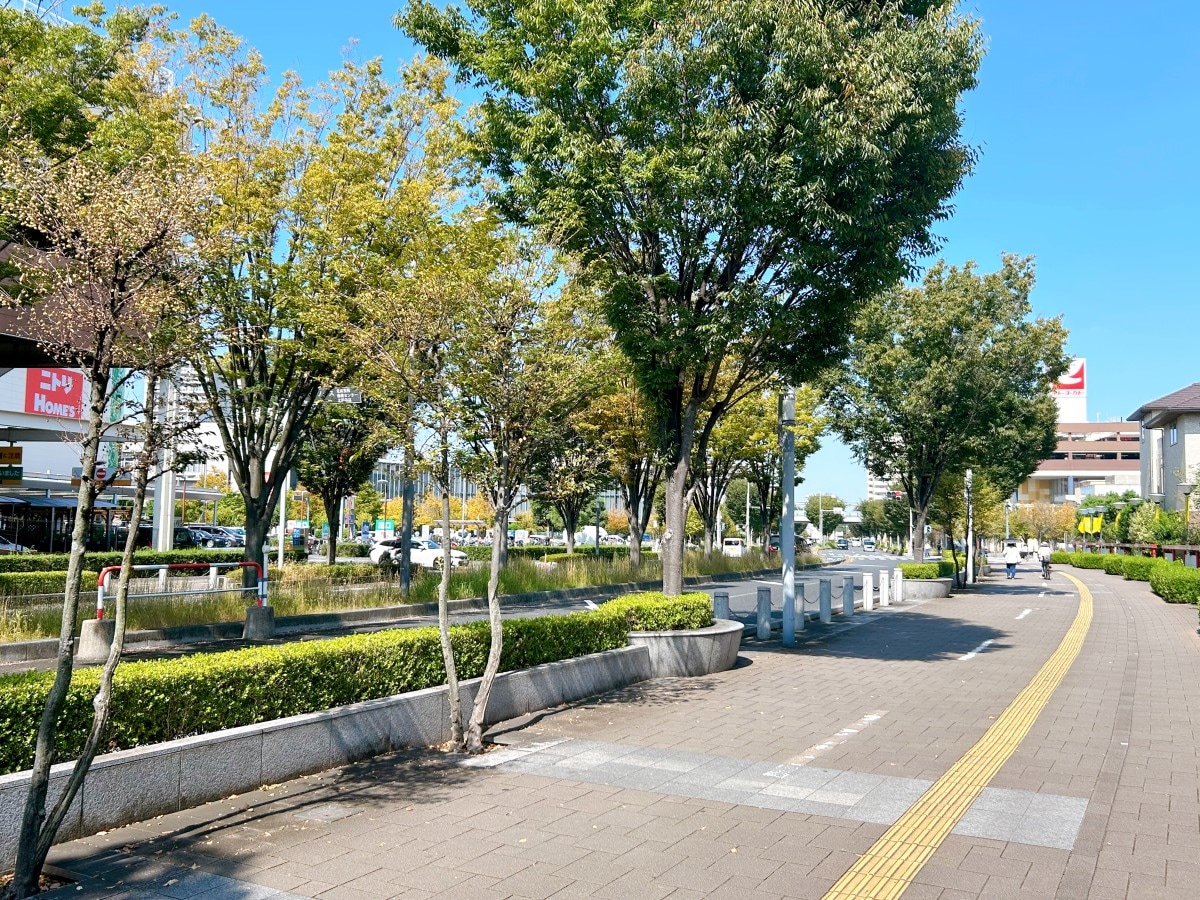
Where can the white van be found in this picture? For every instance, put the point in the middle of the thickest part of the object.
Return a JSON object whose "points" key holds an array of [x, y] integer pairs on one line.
{"points": [[733, 547]]}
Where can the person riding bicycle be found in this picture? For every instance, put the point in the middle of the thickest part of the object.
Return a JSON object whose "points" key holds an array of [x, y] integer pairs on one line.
{"points": [[1044, 556]]}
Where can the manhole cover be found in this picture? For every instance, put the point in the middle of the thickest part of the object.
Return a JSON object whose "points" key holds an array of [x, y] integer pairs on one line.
{"points": [[327, 812]]}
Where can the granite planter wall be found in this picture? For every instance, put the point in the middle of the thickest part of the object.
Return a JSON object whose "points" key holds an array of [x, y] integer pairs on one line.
{"points": [[700, 651], [927, 588]]}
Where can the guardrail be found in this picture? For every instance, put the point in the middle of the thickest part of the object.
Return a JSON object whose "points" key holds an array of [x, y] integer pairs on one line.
{"points": [[102, 580]]}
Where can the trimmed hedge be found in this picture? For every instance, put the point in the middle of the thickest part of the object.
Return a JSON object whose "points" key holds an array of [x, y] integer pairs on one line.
{"points": [[1138, 568], [938, 568], [1175, 582], [1114, 564], [57, 562], [1060, 558], [1082, 560], [161, 700], [25, 583], [584, 553]]}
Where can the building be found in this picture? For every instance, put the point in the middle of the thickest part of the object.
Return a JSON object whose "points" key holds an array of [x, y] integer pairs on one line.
{"points": [[1091, 458], [1170, 445], [879, 488]]}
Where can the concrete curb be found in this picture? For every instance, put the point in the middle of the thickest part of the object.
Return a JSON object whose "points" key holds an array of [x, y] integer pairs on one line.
{"points": [[47, 648], [133, 785], [686, 654]]}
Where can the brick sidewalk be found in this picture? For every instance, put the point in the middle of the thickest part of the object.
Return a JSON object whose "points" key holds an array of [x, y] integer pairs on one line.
{"points": [[764, 781]]}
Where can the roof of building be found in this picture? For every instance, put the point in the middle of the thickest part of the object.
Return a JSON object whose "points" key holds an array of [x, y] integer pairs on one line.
{"points": [[1184, 400]]}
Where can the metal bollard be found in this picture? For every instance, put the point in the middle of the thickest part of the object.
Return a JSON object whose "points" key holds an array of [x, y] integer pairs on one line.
{"points": [[848, 596], [825, 600], [898, 586], [868, 590], [212, 578], [764, 613], [885, 597], [789, 619], [799, 605], [721, 605]]}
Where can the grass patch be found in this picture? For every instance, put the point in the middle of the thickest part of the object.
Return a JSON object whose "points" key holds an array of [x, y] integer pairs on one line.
{"points": [[313, 588]]}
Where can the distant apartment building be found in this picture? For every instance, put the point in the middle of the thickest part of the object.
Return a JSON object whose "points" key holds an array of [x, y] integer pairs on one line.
{"points": [[1091, 458], [1170, 445]]}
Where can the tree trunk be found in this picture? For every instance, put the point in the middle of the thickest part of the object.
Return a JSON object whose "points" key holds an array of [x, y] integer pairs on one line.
{"points": [[918, 535], [332, 502], [635, 541], [479, 710], [256, 536], [675, 535], [569, 536], [30, 853], [456, 718]]}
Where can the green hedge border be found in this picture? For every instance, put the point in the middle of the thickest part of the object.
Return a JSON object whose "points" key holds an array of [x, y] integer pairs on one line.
{"points": [[162, 700], [57, 562], [1173, 581]]}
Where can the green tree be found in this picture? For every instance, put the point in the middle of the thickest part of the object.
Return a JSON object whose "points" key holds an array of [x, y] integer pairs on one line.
{"points": [[828, 510], [949, 375], [736, 176], [568, 472], [338, 451], [103, 290]]}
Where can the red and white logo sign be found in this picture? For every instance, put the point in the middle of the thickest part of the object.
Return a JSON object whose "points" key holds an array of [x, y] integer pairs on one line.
{"points": [[54, 392], [1074, 382]]}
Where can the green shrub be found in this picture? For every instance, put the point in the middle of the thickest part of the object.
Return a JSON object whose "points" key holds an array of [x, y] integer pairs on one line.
{"points": [[1082, 560], [653, 611], [946, 568], [1138, 568], [353, 549], [920, 571], [57, 562], [1175, 582], [17, 583], [1114, 564], [162, 700], [1061, 558]]}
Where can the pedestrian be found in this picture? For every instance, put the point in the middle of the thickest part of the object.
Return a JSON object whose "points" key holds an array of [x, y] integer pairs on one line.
{"points": [[1012, 556]]}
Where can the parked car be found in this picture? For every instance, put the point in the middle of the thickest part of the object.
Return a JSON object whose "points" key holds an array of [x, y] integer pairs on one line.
{"points": [[211, 536], [7, 547], [183, 539], [425, 553]]}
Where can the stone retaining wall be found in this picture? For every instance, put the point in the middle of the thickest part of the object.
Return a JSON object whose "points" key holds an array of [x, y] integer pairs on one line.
{"points": [[132, 785]]}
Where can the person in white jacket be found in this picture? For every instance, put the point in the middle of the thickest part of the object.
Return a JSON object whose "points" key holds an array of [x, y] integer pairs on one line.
{"points": [[1012, 556]]}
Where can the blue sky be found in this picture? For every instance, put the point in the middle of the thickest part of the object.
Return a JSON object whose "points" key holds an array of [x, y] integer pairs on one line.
{"points": [[1087, 122]]}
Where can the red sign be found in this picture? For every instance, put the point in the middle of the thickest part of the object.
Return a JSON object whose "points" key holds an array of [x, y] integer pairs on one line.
{"points": [[54, 392], [1074, 382]]}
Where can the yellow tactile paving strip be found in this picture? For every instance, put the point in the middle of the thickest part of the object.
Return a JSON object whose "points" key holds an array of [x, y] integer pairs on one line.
{"points": [[886, 870]]}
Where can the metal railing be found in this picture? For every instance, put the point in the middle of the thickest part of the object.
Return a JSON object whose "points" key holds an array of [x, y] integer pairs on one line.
{"points": [[102, 581]]}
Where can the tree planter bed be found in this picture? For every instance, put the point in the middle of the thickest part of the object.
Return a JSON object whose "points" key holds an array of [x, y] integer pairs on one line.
{"points": [[927, 588], [701, 651], [132, 785]]}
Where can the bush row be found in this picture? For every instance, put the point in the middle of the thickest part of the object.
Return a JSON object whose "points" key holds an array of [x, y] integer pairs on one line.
{"points": [[57, 562], [586, 553], [938, 568], [1173, 581], [17, 583], [162, 700]]}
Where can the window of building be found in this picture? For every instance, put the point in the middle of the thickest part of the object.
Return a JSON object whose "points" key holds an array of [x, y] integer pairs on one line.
{"points": [[1174, 434]]}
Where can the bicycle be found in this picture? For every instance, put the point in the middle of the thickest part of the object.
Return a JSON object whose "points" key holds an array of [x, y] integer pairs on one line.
{"points": [[1046, 569]]}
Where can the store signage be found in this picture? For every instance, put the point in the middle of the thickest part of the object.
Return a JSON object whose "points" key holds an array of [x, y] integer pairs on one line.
{"points": [[11, 475], [1074, 382], [54, 392], [11, 456]]}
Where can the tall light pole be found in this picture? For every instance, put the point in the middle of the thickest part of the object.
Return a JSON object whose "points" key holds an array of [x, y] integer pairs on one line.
{"points": [[1187, 487], [968, 481], [383, 489], [787, 524]]}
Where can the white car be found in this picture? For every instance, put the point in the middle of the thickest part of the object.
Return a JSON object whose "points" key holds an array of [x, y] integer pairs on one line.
{"points": [[425, 553], [868, 545]]}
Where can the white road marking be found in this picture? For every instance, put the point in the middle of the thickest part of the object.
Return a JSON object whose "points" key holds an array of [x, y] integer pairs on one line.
{"points": [[975, 652], [1024, 614], [590, 605], [817, 749]]}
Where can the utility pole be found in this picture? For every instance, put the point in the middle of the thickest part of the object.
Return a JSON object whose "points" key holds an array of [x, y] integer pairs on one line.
{"points": [[970, 477], [787, 527]]}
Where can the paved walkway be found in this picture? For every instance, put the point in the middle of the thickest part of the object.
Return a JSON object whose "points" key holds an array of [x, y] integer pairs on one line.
{"points": [[771, 780]]}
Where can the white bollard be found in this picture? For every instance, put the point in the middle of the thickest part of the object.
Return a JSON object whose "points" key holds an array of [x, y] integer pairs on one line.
{"points": [[799, 605], [825, 600], [885, 596], [848, 596], [212, 578], [721, 605], [764, 613], [898, 586], [868, 589]]}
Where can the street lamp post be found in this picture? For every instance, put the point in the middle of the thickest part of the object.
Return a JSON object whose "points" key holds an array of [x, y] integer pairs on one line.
{"points": [[968, 480], [1187, 487], [599, 510], [383, 489]]}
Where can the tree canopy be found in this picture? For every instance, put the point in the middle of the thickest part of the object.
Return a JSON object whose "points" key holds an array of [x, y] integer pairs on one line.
{"points": [[948, 375], [735, 175]]}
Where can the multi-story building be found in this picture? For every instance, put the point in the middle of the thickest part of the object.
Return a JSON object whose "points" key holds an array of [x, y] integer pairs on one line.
{"points": [[1091, 458], [1170, 445]]}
